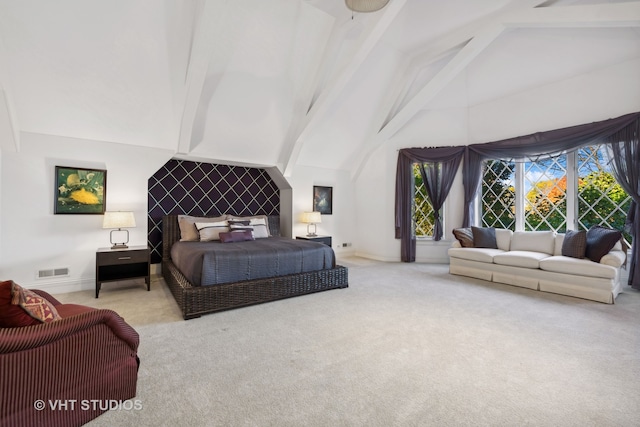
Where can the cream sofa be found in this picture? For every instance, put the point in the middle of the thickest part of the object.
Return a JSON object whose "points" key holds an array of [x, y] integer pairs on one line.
{"points": [[532, 259]]}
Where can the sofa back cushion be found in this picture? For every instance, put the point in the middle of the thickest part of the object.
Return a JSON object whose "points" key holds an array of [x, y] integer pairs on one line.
{"points": [[503, 238], [535, 241]]}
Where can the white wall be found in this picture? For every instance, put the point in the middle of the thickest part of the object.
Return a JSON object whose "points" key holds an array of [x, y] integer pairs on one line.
{"points": [[598, 95], [341, 224], [33, 238]]}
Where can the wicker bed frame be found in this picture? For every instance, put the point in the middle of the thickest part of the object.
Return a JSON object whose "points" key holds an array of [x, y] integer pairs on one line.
{"points": [[197, 300]]}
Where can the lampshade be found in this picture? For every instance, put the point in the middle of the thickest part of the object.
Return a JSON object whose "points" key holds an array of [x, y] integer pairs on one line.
{"points": [[311, 217], [118, 220], [364, 6]]}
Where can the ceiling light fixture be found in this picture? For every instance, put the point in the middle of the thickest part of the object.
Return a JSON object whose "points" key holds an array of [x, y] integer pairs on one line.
{"points": [[365, 6]]}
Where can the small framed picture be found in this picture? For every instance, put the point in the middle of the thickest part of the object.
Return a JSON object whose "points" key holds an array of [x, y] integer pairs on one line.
{"points": [[80, 191], [323, 199]]}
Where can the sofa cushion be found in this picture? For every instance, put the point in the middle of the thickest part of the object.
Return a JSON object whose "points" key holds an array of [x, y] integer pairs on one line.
{"points": [[574, 244], [578, 267], [600, 241], [503, 238], [526, 259], [475, 254], [534, 241], [484, 237], [464, 236]]}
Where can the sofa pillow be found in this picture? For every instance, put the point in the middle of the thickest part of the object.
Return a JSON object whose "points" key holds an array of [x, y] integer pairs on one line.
{"points": [[210, 231], [236, 236], [464, 236], [484, 237], [574, 244], [600, 240], [33, 304], [187, 224]]}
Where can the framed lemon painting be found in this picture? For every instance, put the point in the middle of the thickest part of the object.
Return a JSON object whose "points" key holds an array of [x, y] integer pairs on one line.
{"points": [[80, 191]]}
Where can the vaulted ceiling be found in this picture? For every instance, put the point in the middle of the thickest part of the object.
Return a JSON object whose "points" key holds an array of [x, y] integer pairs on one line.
{"points": [[284, 82]]}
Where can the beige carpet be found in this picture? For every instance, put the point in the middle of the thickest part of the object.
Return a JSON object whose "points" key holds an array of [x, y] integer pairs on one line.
{"points": [[404, 345]]}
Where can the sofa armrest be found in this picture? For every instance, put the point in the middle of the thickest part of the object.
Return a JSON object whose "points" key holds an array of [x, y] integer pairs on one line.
{"points": [[28, 337], [614, 258]]}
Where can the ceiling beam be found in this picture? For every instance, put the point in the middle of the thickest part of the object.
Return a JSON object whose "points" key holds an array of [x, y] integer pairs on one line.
{"points": [[610, 15], [332, 91], [9, 135], [206, 40], [459, 62], [604, 15]]}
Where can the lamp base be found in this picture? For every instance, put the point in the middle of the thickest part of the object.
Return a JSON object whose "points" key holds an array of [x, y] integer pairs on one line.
{"points": [[119, 245], [309, 232]]}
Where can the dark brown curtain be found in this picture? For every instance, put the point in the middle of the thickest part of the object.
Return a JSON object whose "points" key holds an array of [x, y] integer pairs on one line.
{"points": [[624, 148], [441, 166]]}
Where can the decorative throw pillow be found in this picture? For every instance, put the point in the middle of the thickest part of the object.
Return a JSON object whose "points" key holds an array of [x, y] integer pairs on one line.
{"points": [[33, 304], [600, 240], [187, 224], [464, 236], [260, 225], [574, 244], [211, 230], [236, 236], [484, 237]]}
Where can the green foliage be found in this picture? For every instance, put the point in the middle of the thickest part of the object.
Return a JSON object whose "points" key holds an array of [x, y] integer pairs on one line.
{"points": [[423, 214], [498, 198], [601, 200]]}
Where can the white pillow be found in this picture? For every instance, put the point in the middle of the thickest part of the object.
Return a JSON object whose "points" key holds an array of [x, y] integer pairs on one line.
{"points": [[211, 230]]}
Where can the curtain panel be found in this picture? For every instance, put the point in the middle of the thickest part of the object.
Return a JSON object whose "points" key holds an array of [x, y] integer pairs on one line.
{"points": [[620, 133], [624, 149], [449, 160]]}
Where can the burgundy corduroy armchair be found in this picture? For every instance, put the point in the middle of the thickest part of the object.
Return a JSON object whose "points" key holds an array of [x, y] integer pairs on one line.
{"points": [[67, 372]]}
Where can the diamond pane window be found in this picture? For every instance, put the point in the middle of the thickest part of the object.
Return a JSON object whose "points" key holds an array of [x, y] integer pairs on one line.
{"points": [[498, 195], [424, 219], [545, 203], [601, 200]]}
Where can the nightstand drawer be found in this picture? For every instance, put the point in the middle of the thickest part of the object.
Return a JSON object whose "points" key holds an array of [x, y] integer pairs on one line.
{"points": [[122, 257]]}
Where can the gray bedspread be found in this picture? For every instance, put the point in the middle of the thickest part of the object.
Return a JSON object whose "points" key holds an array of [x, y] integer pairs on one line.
{"points": [[211, 263]]}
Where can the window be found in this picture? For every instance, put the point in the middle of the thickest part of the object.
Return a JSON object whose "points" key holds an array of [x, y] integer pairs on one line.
{"points": [[499, 195], [423, 218], [572, 191]]}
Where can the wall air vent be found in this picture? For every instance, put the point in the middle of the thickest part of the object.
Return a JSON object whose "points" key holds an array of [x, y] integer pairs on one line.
{"points": [[53, 272]]}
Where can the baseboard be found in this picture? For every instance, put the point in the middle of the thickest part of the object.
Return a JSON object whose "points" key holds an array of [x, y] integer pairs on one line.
{"points": [[376, 257], [65, 286]]}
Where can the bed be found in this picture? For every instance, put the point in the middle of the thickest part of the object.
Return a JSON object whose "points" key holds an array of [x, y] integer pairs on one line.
{"points": [[223, 291]]}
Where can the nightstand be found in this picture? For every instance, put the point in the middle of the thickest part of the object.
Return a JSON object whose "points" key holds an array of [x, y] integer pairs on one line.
{"points": [[320, 239], [122, 264]]}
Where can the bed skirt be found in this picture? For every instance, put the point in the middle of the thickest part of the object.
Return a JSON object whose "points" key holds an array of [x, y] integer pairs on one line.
{"points": [[197, 300]]}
